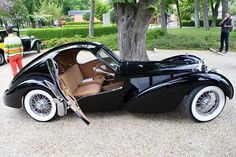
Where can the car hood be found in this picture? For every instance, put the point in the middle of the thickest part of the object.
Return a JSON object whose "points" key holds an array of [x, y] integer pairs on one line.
{"points": [[176, 64]]}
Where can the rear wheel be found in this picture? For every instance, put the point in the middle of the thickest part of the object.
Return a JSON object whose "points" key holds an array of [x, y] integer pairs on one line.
{"points": [[39, 105], [205, 103], [2, 59]]}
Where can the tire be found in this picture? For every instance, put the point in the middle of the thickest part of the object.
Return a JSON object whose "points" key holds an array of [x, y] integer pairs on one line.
{"points": [[204, 104], [2, 59], [38, 47], [39, 105]]}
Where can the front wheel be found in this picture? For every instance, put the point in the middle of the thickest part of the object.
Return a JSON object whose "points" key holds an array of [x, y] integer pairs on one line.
{"points": [[39, 105], [38, 47], [2, 59], [205, 103]]}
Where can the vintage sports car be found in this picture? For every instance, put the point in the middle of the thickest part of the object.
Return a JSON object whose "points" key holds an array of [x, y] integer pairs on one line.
{"points": [[61, 79], [29, 44]]}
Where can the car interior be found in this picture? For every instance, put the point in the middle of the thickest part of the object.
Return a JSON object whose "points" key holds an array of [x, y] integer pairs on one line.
{"points": [[82, 74]]}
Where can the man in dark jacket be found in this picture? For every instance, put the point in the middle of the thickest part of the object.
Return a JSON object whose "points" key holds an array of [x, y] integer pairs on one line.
{"points": [[226, 27]]}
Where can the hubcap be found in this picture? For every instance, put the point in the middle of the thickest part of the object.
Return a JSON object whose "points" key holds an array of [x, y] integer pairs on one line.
{"points": [[40, 105], [207, 103]]}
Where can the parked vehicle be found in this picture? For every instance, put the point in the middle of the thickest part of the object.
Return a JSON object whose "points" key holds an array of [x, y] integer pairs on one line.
{"points": [[29, 44], [98, 81]]}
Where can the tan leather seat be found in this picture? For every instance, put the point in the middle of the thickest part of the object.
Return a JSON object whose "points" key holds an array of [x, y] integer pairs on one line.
{"points": [[73, 79], [87, 90]]}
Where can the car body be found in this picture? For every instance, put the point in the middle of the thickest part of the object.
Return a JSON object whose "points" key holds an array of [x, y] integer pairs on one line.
{"points": [[29, 44], [58, 80]]}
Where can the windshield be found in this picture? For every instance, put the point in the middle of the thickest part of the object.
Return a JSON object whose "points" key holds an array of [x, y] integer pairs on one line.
{"points": [[109, 60]]}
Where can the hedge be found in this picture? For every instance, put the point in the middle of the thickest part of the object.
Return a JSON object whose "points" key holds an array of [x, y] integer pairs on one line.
{"points": [[191, 23], [79, 23], [50, 33]]}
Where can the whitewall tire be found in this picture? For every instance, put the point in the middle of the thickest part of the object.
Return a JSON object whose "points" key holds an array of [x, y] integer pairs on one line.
{"points": [[39, 105], [205, 103]]}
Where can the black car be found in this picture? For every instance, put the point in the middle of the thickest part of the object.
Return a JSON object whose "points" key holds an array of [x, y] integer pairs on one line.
{"points": [[61, 79], [29, 44]]}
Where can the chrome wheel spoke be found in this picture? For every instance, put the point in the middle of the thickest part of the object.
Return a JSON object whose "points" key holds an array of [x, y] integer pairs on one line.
{"points": [[40, 105], [207, 103]]}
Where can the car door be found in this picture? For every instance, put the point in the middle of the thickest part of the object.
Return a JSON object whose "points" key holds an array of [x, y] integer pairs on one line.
{"points": [[63, 96]]}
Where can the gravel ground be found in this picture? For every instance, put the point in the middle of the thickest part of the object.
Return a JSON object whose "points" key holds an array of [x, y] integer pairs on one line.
{"points": [[120, 133]]}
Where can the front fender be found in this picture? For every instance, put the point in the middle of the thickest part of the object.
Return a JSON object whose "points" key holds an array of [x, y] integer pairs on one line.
{"points": [[33, 43], [13, 96], [168, 94]]}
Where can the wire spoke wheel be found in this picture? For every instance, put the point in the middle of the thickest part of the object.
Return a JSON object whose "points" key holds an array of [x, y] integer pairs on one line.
{"points": [[39, 105], [206, 103]]}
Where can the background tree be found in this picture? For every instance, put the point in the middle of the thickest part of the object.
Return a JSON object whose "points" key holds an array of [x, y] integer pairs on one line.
{"points": [[178, 11], [53, 9], [91, 19], [68, 5], [214, 9], [100, 9], [31, 8], [196, 14], [205, 14], [18, 12], [163, 14], [132, 20], [5, 8], [225, 7], [86, 16]]}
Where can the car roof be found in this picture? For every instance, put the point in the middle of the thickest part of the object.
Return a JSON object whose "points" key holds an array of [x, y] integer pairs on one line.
{"points": [[14, 30]]}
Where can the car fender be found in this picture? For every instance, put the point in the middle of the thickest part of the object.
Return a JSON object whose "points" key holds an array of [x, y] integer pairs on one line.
{"points": [[168, 94], [33, 43], [13, 97]]}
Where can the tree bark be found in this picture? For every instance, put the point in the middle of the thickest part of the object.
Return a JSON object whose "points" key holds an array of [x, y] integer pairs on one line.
{"points": [[214, 9], [196, 14], [91, 19], [225, 7], [162, 14], [179, 15], [205, 14], [132, 22]]}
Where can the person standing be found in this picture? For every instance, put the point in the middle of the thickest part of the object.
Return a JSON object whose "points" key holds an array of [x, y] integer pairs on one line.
{"points": [[226, 27], [13, 50]]}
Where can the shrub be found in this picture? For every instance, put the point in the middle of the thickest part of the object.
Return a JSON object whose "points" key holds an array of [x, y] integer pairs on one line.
{"points": [[86, 16], [50, 33], [79, 23], [113, 16], [191, 23], [110, 41]]}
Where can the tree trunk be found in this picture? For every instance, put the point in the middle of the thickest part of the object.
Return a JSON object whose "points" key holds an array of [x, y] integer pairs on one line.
{"points": [[91, 20], [132, 22], [162, 14], [215, 12], [196, 14], [33, 24], [205, 15], [225, 7], [179, 15]]}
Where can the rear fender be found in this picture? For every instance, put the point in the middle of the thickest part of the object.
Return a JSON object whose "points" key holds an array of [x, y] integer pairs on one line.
{"points": [[14, 95]]}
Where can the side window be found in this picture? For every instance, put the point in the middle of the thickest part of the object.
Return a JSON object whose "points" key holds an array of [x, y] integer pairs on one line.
{"points": [[85, 56]]}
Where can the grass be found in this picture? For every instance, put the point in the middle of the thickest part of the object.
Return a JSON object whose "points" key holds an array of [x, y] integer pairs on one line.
{"points": [[209, 38]]}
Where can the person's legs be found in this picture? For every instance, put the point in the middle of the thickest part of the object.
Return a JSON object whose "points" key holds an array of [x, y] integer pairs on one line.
{"points": [[226, 42], [221, 41], [19, 61], [12, 62]]}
